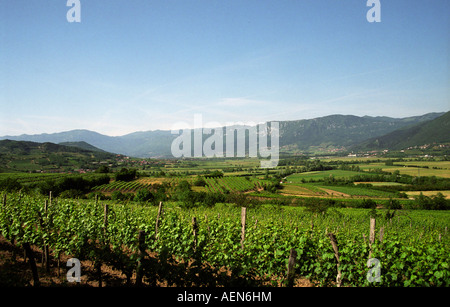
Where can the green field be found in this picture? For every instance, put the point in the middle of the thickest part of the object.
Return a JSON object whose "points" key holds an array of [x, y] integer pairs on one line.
{"points": [[413, 194], [304, 190], [412, 171], [360, 192], [426, 168], [317, 175], [299, 185]]}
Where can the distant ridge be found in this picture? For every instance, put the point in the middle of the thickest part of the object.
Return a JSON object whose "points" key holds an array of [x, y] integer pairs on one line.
{"points": [[433, 131], [82, 145], [299, 135], [342, 130]]}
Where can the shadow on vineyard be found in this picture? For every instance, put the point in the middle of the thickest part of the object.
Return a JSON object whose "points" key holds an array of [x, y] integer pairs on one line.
{"points": [[39, 237], [157, 272]]}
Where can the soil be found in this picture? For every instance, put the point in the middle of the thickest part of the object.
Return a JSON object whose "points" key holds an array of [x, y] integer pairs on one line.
{"points": [[15, 270], [335, 193]]}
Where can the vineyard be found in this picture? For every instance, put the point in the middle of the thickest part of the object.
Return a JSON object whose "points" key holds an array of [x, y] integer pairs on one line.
{"points": [[213, 185], [126, 186], [230, 246]]}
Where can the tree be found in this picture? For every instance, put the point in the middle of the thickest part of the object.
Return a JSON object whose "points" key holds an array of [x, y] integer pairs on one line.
{"points": [[183, 186], [102, 169], [126, 174], [439, 202], [393, 204], [368, 203], [423, 202]]}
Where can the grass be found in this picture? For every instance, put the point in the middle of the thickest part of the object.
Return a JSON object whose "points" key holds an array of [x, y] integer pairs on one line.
{"points": [[435, 168], [357, 191], [412, 194], [438, 164], [317, 175], [323, 190], [414, 171], [301, 190]]}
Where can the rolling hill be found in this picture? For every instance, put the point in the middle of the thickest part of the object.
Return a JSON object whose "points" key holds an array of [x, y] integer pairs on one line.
{"points": [[17, 156], [82, 145]]}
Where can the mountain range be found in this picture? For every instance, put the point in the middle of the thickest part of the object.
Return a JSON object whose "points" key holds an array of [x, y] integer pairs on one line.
{"points": [[433, 131], [333, 131]]}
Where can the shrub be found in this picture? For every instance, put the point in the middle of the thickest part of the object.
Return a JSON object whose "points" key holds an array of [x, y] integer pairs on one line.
{"points": [[118, 195], [368, 203], [143, 195], [10, 184], [200, 181], [126, 174], [72, 193]]}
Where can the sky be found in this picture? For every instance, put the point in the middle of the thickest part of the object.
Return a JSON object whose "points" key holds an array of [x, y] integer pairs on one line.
{"points": [[150, 64]]}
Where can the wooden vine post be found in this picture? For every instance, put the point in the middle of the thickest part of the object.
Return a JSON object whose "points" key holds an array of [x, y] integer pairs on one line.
{"points": [[30, 255], [141, 247], [371, 235], [43, 222], [243, 218], [291, 267], [46, 251], [195, 231], [336, 254], [158, 218], [105, 217], [10, 222], [372, 230], [381, 234], [98, 263]]}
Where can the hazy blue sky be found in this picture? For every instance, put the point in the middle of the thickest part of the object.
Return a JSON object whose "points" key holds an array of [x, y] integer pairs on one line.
{"points": [[145, 65]]}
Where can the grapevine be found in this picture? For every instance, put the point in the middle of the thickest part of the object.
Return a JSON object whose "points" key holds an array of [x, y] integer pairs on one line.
{"points": [[84, 229]]}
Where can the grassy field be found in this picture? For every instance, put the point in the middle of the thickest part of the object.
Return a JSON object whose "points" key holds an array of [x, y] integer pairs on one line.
{"points": [[323, 190], [299, 185], [413, 194], [360, 192], [302, 190], [413, 171], [318, 175], [413, 168]]}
